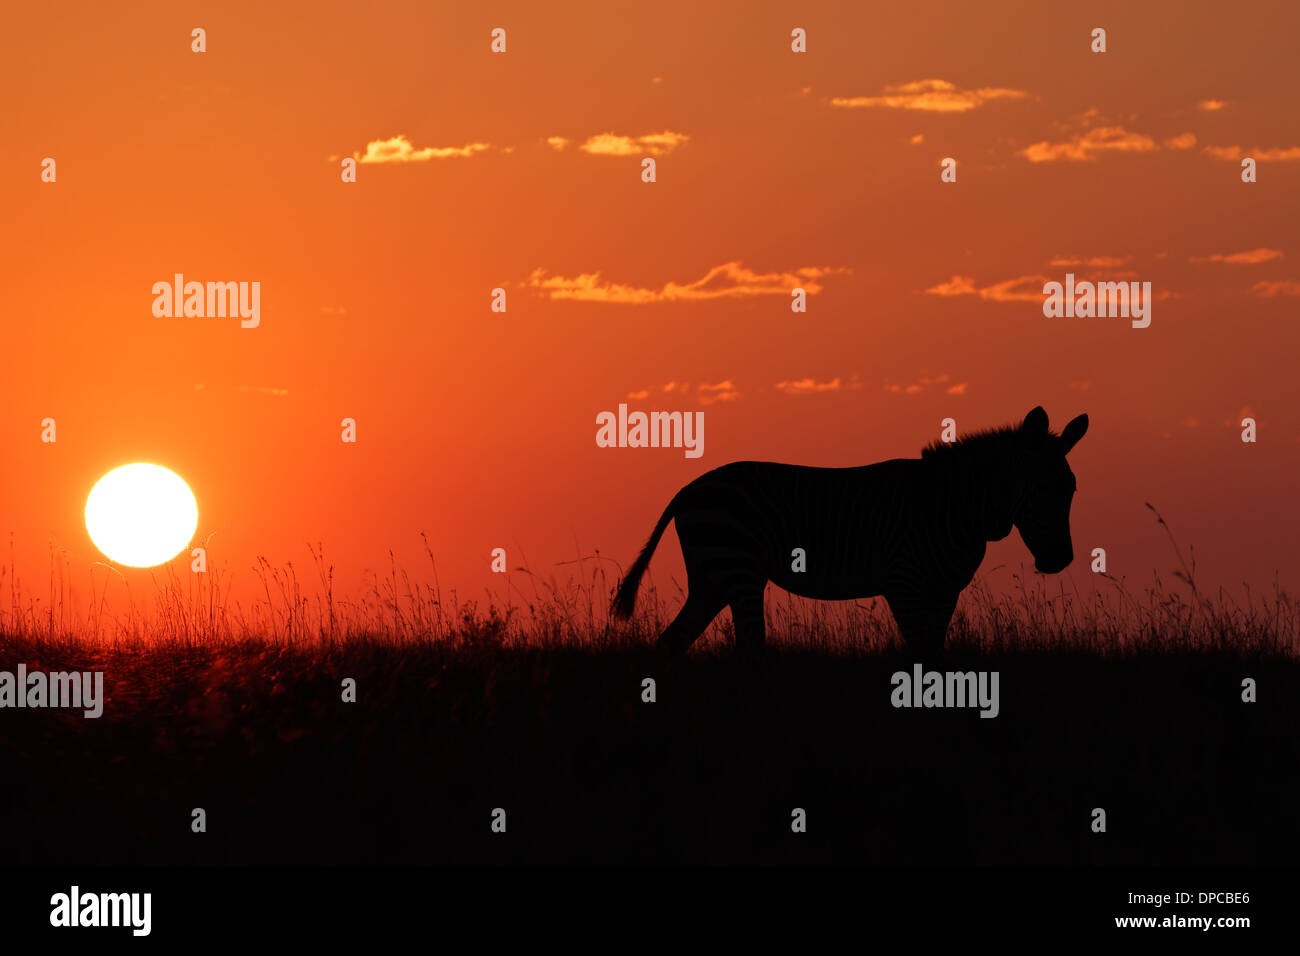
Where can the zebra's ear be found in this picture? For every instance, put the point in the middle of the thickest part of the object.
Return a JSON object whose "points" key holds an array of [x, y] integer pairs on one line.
{"points": [[1074, 431], [1036, 422]]}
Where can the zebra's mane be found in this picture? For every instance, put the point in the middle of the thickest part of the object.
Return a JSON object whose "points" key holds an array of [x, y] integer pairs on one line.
{"points": [[986, 441]]}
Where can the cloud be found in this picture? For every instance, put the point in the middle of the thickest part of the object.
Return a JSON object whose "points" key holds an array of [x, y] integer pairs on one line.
{"points": [[1080, 386], [1249, 258], [724, 391], [1099, 262], [1085, 147], [1029, 288], [1182, 141], [731, 280], [917, 139], [1236, 153], [1008, 290], [920, 385], [1245, 412], [808, 386], [1210, 106], [721, 392], [399, 150], [957, 285], [933, 96], [611, 144], [1272, 289], [557, 142]]}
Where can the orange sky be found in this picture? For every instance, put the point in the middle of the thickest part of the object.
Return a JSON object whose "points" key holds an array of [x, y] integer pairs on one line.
{"points": [[478, 427]]}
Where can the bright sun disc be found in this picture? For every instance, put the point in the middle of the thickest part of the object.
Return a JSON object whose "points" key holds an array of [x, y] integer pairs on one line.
{"points": [[141, 515]]}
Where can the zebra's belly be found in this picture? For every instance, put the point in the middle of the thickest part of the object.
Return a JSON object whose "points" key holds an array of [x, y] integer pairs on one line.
{"points": [[826, 586]]}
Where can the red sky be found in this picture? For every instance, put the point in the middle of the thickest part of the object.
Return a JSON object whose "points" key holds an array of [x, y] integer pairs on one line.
{"points": [[478, 427]]}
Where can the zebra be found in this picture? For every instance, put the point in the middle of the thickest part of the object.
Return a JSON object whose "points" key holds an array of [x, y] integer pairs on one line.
{"points": [[912, 530]]}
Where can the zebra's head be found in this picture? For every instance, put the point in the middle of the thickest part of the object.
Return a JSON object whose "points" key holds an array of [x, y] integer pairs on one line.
{"points": [[1043, 515]]}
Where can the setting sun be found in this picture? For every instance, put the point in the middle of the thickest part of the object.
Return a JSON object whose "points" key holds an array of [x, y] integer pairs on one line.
{"points": [[141, 515]]}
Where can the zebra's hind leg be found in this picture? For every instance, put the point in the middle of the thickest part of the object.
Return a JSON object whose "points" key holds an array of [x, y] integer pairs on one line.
{"points": [[747, 619], [700, 608], [923, 621]]}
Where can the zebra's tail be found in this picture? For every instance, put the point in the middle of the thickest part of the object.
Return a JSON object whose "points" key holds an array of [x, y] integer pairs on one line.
{"points": [[625, 599]]}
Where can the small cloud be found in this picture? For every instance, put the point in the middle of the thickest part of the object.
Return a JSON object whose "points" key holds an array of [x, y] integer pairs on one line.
{"points": [[656, 144], [1182, 141], [1097, 262], [557, 142], [1080, 386], [721, 392], [957, 285], [1248, 258], [731, 280], [934, 96], [1011, 290], [918, 139], [1086, 147], [399, 150], [656, 79], [644, 393], [808, 386], [333, 310], [1191, 421], [1271, 290], [919, 386], [1210, 106], [1245, 412], [1236, 153]]}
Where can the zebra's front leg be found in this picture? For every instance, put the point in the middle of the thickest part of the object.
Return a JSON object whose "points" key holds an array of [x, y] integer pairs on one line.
{"points": [[923, 620]]}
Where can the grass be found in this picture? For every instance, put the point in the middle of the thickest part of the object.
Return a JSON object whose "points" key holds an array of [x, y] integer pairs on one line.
{"points": [[532, 701], [1038, 614]]}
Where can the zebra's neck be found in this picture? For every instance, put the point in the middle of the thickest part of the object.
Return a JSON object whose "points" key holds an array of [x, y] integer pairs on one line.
{"points": [[979, 492]]}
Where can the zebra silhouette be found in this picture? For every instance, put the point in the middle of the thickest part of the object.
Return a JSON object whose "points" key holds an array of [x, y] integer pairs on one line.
{"points": [[911, 529]]}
